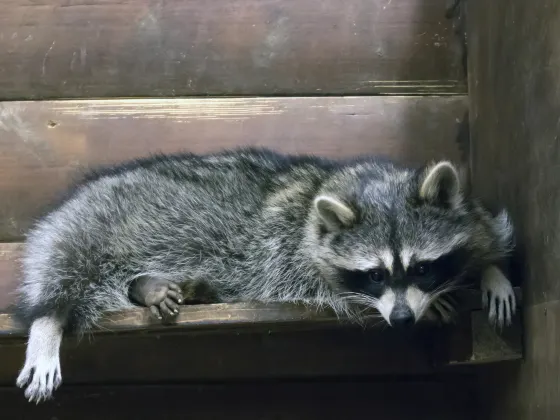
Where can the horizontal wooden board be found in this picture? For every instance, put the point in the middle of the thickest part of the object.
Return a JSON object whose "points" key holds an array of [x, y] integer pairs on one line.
{"points": [[447, 398], [193, 317], [232, 355], [44, 144], [77, 49]]}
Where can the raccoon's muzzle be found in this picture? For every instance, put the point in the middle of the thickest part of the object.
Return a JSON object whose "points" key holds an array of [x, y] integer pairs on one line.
{"points": [[402, 317]]}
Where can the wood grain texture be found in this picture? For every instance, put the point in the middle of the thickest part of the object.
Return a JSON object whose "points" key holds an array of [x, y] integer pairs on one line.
{"points": [[440, 399], [44, 145], [514, 80], [110, 48]]}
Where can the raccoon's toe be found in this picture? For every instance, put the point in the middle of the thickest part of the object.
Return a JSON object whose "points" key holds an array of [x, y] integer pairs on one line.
{"points": [[40, 380], [498, 296], [162, 296], [501, 308], [166, 308]]}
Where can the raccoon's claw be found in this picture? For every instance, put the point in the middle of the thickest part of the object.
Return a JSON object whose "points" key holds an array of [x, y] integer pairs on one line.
{"points": [[167, 307], [498, 297], [40, 379], [162, 296]]}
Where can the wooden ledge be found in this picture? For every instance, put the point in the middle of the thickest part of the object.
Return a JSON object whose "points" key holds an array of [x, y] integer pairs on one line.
{"points": [[238, 315], [247, 341]]}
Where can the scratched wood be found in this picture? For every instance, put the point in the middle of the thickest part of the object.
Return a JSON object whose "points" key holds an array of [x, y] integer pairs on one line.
{"points": [[77, 49], [444, 398], [44, 145]]}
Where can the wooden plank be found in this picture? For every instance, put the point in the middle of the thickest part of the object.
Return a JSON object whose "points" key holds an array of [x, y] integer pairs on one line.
{"points": [[167, 357], [441, 399], [204, 316], [61, 49], [222, 315], [527, 391], [43, 145], [474, 341], [514, 72]]}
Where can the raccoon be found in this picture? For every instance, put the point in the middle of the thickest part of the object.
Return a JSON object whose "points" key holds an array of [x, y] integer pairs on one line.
{"points": [[256, 225]]}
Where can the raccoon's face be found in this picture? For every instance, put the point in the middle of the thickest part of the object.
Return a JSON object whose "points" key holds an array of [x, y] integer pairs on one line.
{"points": [[399, 244]]}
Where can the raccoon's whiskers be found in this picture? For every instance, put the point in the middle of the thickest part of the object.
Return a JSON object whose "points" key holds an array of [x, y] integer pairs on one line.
{"points": [[445, 310], [358, 299]]}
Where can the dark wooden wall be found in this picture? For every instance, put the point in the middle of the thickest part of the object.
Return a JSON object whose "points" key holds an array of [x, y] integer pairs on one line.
{"points": [[514, 80], [293, 75]]}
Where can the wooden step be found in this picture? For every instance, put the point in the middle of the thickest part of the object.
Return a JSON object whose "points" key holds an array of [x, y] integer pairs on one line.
{"points": [[241, 342], [426, 399], [44, 145], [61, 49], [247, 341]]}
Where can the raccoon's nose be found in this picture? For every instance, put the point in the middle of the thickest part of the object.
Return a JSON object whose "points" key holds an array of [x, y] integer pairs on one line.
{"points": [[402, 317]]}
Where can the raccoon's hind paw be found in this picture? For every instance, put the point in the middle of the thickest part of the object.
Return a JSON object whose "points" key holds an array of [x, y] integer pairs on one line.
{"points": [[40, 377], [162, 296], [498, 296]]}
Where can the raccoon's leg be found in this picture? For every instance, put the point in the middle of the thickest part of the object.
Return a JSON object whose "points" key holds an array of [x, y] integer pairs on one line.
{"points": [[162, 296], [497, 296], [41, 373]]}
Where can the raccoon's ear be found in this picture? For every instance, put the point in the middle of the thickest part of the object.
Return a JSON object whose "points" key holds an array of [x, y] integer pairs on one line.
{"points": [[333, 212], [440, 185]]}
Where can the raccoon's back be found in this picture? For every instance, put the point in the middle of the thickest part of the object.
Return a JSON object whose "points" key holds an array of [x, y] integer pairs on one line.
{"points": [[161, 214]]}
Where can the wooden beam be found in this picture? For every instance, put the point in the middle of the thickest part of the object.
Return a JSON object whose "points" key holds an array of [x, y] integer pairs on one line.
{"points": [[58, 49], [514, 72], [220, 316], [45, 145], [435, 399], [228, 354], [263, 341]]}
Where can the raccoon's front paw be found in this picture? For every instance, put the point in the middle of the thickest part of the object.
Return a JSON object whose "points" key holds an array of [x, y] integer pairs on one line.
{"points": [[498, 296], [41, 377], [162, 296], [444, 309]]}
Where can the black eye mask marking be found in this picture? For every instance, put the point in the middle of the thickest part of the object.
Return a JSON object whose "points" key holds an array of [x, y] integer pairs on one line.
{"points": [[371, 282], [429, 275]]}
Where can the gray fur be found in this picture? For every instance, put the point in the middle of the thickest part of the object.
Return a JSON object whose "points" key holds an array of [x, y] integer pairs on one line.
{"points": [[253, 225]]}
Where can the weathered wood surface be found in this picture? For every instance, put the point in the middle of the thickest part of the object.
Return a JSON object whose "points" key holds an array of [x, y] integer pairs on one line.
{"points": [[44, 145], [250, 347], [514, 72], [10, 254], [239, 315], [201, 317], [77, 49], [439, 399]]}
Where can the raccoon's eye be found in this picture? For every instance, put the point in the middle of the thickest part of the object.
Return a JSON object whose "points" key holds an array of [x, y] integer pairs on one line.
{"points": [[376, 275], [421, 269]]}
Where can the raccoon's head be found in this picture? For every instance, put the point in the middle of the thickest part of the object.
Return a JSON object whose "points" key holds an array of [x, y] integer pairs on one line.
{"points": [[399, 240]]}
